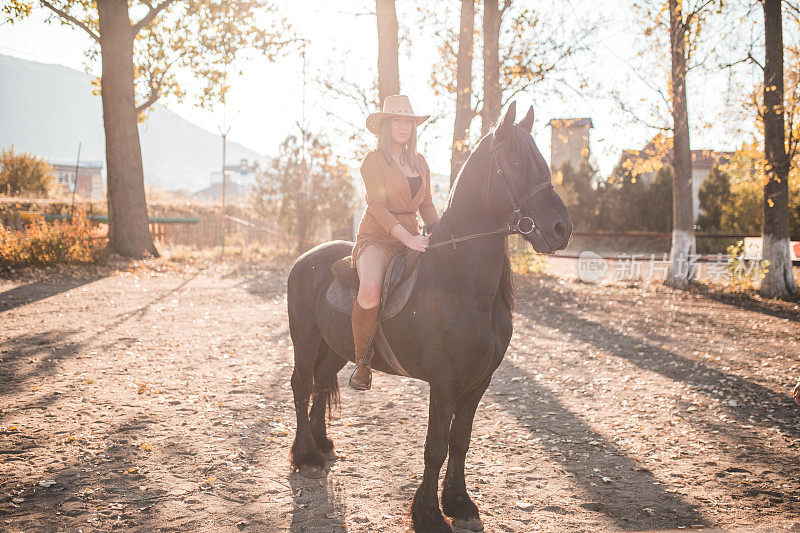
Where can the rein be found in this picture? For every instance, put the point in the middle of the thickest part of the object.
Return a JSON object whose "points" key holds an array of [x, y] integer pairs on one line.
{"points": [[514, 219]]}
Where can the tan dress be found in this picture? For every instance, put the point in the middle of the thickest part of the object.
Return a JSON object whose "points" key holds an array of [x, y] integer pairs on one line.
{"points": [[389, 202]]}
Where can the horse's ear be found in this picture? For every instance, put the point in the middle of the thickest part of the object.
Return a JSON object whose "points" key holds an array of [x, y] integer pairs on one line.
{"points": [[527, 122], [508, 120]]}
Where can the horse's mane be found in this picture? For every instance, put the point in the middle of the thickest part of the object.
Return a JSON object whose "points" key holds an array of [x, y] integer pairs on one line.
{"points": [[507, 290], [520, 149]]}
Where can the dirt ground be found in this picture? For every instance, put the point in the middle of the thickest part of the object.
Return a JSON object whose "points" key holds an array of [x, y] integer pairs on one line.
{"points": [[157, 398]]}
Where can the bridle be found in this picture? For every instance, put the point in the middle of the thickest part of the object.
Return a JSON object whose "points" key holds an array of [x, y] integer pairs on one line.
{"points": [[517, 223]]}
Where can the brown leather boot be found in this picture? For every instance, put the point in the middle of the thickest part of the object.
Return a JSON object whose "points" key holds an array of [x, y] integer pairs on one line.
{"points": [[364, 323]]}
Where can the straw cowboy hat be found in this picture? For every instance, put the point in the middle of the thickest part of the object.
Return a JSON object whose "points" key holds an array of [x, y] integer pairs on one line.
{"points": [[394, 106]]}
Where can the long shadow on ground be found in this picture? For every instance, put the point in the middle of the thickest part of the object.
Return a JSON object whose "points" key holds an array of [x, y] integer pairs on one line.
{"points": [[39, 290], [634, 499], [780, 413]]}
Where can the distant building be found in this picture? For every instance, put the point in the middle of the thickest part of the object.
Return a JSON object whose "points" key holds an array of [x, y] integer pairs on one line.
{"points": [[239, 179], [643, 164], [233, 191], [241, 173], [569, 141], [90, 176]]}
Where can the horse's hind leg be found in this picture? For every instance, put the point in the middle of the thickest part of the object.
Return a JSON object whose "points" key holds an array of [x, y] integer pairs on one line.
{"points": [[326, 394], [456, 503], [307, 341]]}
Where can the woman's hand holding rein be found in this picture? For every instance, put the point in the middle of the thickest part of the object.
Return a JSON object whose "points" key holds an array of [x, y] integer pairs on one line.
{"points": [[415, 242]]}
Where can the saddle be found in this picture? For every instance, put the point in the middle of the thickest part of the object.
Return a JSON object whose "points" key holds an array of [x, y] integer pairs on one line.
{"points": [[398, 284]]}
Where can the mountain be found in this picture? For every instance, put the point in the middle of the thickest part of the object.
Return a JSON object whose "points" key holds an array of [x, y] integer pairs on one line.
{"points": [[47, 109]]}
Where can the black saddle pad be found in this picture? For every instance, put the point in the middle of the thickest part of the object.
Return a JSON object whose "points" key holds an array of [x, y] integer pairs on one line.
{"points": [[398, 284]]}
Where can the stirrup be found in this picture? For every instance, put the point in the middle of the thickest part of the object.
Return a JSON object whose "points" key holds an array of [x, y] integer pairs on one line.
{"points": [[358, 385]]}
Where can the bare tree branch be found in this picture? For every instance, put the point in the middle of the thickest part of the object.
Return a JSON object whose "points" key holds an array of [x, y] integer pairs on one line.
{"points": [[476, 111], [696, 12], [355, 14], [506, 5], [69, 18], [636, 117], [156, 85], [152, 99], [147, 19], [749, 57]]}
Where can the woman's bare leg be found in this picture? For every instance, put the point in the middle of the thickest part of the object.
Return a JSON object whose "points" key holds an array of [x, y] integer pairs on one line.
{"points": [[371, 266]]}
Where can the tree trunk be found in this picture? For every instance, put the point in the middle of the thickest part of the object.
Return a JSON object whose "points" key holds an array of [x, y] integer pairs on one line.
{"points": [[779, 280], [460, 148], [127, 207], [491, 66], [680, 273], [388, 71]]}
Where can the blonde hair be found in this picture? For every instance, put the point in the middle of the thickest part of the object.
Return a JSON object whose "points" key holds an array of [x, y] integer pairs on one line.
{"points": [[409, 153]]}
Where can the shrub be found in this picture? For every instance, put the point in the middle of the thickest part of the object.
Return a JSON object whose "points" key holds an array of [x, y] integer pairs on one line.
{"points": [[743, 273], [24, 173], [44, 243], [524, 260]]}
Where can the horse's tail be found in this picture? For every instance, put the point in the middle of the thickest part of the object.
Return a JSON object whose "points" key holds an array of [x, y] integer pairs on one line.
{"points": [[326, 388]]}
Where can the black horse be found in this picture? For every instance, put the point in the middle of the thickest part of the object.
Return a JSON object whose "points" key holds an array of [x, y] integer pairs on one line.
{"points": [[454, 330]]}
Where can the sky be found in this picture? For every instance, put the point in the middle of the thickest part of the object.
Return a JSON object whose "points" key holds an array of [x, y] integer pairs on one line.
{"points": [[267, 100]]}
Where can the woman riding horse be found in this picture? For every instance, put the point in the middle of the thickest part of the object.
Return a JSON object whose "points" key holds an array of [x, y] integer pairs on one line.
{"points": [[456, 325], [398, 184]]}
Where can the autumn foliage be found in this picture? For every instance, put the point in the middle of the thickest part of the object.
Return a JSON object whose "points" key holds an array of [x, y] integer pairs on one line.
{"points": [[50, 243], [24, 174]]}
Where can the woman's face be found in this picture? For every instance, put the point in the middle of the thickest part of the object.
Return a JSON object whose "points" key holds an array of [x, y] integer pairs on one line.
{"points": [[402, 128]]}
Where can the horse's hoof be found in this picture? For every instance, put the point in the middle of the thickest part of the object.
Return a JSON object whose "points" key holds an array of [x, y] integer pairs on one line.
{"points": [[468, 525], [330, 456], [312, 472]]}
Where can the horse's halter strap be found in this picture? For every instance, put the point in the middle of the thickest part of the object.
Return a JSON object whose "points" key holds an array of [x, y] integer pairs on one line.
{"points": [[515, 219]]}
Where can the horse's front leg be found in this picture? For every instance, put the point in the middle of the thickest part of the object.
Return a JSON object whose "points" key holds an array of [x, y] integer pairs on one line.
{"points": [[456, 503], [426, 516]]}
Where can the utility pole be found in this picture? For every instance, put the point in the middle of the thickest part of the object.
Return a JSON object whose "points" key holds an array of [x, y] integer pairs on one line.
{"points": [[224, 137], [303, 133], [304, 178], [75, 186]]}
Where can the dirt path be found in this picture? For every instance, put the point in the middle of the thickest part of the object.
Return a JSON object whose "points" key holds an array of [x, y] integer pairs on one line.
{"points": [[161, 401]]}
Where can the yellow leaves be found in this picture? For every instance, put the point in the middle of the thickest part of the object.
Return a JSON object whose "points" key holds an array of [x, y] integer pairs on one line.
{"points": [[50, 243], [132, 470], [15, 10], [650, 158], [770, 202], [145, 446], [96, 87], [207, 484]]}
